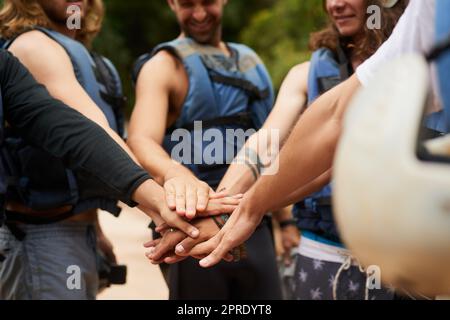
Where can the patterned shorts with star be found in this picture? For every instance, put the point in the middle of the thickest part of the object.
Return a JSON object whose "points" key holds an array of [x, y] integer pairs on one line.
{"points": [[314, 280]]}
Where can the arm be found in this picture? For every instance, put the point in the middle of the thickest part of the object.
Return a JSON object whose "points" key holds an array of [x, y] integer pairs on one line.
{"points": [[303, 191], [160, 84], [318, 132], [290, 234], [50, 65], [291, 102], [63, 132], [79, 142]]}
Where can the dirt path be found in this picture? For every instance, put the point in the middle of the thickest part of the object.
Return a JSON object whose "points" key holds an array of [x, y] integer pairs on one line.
{"points": [[128, 233]]}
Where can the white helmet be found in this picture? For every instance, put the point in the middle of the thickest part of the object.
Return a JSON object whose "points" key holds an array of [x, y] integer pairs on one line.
{"points": [[392, 209]]}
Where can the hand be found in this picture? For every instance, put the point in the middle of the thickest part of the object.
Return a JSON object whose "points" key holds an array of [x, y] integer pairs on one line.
{"points": [[162, 249], [186, 194], [241, 225], [169, 219], [225, 205], [175, 246], [290, 239]]}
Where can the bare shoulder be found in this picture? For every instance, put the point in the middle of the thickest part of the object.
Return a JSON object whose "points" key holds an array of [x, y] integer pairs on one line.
{"points": [[38, 47], [162, 65], [300, 70]]}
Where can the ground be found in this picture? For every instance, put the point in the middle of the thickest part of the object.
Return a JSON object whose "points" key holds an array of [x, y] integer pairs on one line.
{"points": [[128, 233]]}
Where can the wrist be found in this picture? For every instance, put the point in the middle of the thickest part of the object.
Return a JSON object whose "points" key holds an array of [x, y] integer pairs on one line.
{"points": [[251, 209], [176, 170], [150, 195], [287, 223]]}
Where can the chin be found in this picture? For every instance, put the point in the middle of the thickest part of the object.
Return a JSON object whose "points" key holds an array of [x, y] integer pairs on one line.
{"points": [[347, 32]]}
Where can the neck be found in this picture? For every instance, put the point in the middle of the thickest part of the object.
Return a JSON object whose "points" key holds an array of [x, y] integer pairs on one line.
{"points": [[215, 42], [62, 28]]}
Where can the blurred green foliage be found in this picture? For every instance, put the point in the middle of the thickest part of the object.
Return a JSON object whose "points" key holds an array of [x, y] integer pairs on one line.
{"points": [[278, 30]]}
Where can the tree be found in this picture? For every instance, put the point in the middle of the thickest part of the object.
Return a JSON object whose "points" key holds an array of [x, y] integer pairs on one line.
{"points": [[280, 34]]}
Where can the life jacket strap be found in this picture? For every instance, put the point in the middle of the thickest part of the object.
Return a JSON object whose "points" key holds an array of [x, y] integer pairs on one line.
{"points": [[439, 49], [242, 119], [253, 91]]}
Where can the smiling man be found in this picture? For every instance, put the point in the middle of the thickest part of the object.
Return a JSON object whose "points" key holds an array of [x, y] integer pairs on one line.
{"points": [[199, 77]]}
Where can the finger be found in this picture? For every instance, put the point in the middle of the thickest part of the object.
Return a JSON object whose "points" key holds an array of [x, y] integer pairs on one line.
{"points": [[202, 199], [180, 199], [228, 257], [205, 248], [149, 253], [174, 259], [218, 195], [185, 227], [152, 243], [219, 209], [218, 253], [184, 247], [227, 201], [170, 196], [191, 202], [167, 245], [199, 257], [162, 228]]}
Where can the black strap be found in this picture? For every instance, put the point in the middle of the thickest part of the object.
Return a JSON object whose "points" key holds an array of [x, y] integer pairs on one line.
{"points": [[18, 233], [427, 134], [35, 220], [254, 92], [103, 74], [438, 49], [345, 68]]}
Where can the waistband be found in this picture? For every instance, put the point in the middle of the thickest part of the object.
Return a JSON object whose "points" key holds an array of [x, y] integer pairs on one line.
{"points": [[321, 251]]}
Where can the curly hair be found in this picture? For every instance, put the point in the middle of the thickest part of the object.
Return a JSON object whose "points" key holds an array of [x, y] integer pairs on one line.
{"points": [[18, 16], [372, 39]]}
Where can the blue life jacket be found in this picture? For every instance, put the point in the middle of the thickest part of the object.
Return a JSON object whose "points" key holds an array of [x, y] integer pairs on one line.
{"points": [[314, 214], [443, 61], [42, 182], [224, 93]]}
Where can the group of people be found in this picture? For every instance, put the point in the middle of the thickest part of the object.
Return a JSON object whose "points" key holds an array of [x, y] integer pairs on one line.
{"points": [[61, 164]]}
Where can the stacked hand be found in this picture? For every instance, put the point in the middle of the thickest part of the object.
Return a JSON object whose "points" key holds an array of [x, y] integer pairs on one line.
{"points": [[212, 245], [185, 217]]}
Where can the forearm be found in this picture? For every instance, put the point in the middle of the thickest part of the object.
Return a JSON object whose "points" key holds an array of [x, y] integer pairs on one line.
{"points": [[309, 151], [238, 179], [155, 159], [296, 170], [249, 164], [304, 191], [283, 214], [65, 133]]}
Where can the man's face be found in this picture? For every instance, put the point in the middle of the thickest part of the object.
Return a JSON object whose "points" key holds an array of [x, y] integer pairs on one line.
{"points": [[200, 20], [347, 15], [56, 10]]}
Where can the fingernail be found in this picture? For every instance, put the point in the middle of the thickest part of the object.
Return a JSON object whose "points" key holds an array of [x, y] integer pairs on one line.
{"points": [[179, 249], [205, 262], [194, 233]]}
